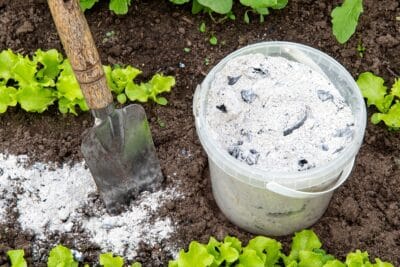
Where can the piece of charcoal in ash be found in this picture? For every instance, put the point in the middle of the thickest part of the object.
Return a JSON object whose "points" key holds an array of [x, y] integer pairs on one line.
{"points": [[296, 125], [239, 143], [233, 80], [338, 150], [259, 71], [324, 95], [235, 151], [344, 132], [252, 158], [324, 147], [253, 151], [248, 96], [246, 134], [222, 108], [302, 162]]}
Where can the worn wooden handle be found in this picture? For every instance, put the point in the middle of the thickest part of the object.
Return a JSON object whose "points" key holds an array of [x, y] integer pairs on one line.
{"points": [[78, 43]]}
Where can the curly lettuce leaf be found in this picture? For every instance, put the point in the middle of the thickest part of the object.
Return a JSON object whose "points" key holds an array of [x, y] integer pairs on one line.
{"points": [[87, 4], [267, 249], [122, 76], [108, 260], [345, 19], [7, 62], [24, 71], [249, 257], [305, 240], [197, 256], [7, 97], [395, 91], [50, 60], [373, 89], [235, 242], [334, 263], [391, 118], [35, 99], [120, 7], [17, 258], [220, 6], [150, 90], [61, 256]]}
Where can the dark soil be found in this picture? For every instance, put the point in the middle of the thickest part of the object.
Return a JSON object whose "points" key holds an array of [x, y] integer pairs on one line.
{"points": [[364, 213]]}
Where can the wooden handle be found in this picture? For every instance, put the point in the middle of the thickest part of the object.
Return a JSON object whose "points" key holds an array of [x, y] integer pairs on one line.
{"points": [[78, 43]]}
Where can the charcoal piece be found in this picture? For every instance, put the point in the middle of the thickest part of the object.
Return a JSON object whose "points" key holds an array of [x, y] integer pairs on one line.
{"points": [[344, 132], [235, 151], [233, 80], [239, 143], [259, 71], [222, 108], [338, 150], [302, 162], [252, 159], [324, 147], [246, 134], [297, 125], [248, 96], [324, 95], [253, 151]]}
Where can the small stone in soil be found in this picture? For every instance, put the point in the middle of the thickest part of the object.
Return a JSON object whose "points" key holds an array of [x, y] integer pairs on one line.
{"points": [[233, 80], [234, 151], [248, 96], [324, 95], [222, 108]]}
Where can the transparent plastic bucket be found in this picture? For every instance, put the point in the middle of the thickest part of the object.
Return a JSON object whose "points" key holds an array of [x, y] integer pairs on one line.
{"points": [[279, 203]]}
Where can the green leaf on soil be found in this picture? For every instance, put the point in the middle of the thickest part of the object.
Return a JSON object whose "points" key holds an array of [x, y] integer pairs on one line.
{"points": [[17, 258], [345, 19], [7, 97], [220, 6], [120, 7], [197, 256], [61, 256], [213, 40], [87, 4], [373, 89], [108, 260]]}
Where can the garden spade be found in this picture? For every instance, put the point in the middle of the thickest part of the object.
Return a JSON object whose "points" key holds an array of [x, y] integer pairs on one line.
{"points": [[119, 149]]}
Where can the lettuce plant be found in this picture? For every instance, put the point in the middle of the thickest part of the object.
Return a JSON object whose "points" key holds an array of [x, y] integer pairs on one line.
{"points": [[47, 78], [387, 103]]}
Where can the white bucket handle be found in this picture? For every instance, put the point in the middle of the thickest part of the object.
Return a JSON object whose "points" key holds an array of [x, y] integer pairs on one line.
{"points": [[293, 193]]}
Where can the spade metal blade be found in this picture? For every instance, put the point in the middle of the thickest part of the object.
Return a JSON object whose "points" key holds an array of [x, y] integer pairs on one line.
{"points": [[121, 156]]}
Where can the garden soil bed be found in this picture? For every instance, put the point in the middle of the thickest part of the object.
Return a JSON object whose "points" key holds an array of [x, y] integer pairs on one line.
{"points": [[364, 213]]}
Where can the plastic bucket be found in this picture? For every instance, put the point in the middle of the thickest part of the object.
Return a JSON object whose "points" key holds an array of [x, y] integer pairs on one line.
{"points": [[279, 203]]}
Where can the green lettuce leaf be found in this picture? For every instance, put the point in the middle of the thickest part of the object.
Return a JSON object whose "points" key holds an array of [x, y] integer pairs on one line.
{"points": [[235, 242], [391, 118], [345, 19], [197, 256], [24, 72], [122, 76], [61, 256], [17, 258], [7, 62], [334, 263], [108, 260], [120, 7], [179, 2], [87, 4], [35, 99], [249, 258], [50, 60], [380, 263], [395, 91], [7, 97], [305, 240], [220, 6], [267, 249], [373, 89]]}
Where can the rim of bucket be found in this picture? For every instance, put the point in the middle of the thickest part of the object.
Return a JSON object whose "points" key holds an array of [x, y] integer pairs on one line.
{"points": [[258, 174]]}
